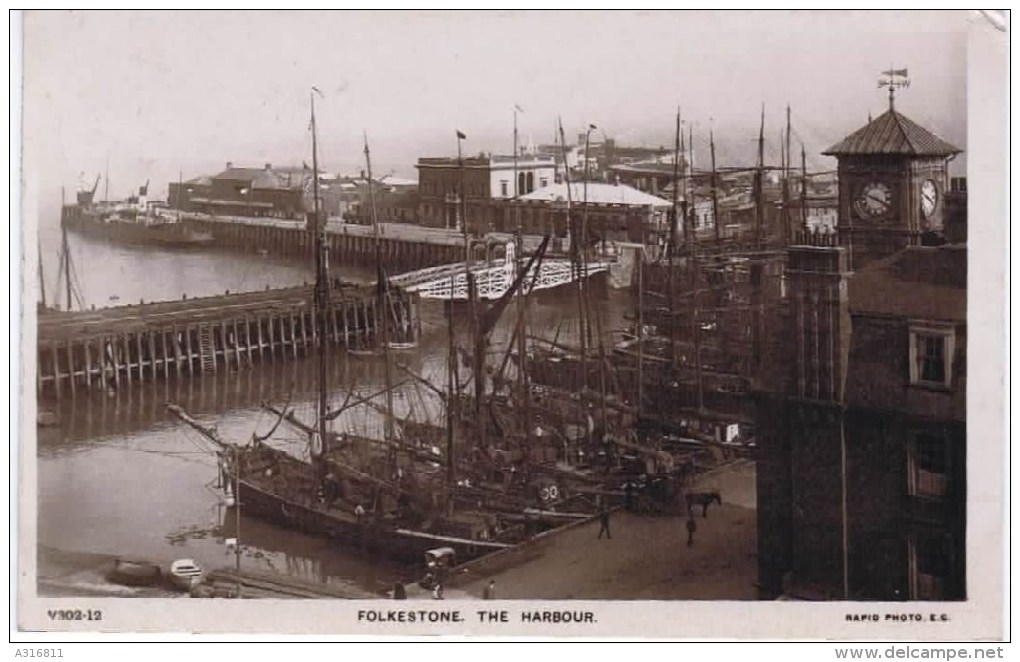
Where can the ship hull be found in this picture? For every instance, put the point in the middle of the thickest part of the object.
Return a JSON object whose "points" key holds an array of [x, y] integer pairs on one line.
{"points": [[393, 543], [167, 234]]}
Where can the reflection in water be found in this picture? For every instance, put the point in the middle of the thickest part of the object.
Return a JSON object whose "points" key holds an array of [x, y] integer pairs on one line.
{"points": [[269, 548]]}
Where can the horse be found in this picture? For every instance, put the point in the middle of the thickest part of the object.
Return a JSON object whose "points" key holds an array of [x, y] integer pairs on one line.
{"points": [[703, 499]]}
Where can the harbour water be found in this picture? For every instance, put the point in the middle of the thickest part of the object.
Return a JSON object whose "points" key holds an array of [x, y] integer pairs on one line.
{"points": [[119, 476]]}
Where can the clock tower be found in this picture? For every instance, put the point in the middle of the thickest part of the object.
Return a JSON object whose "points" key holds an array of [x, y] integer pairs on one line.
{"points": [[892, 180]]}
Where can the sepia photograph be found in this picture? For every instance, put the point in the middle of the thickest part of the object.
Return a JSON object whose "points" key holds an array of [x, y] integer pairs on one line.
{"points": [[633, 323]]}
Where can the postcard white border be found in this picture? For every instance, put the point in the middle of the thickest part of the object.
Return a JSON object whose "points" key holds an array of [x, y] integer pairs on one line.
{"points": [[979, 618]]}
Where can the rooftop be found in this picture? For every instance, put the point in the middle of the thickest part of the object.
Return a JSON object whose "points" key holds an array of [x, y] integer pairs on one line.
{"points": [[895, 134], [647, 167], [920, 282], [264, 178], [483, 161], [598, 193]]}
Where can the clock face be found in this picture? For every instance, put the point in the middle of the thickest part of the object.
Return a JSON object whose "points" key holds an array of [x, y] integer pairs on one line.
{"points": [[874, 200], [929, 197]]}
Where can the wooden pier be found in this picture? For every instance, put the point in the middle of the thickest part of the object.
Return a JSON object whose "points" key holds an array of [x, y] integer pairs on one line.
{"points": [[403, 247], [114, 347]]}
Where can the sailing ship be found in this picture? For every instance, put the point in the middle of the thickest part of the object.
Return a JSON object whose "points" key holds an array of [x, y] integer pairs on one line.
{"points": [[392, 497]]}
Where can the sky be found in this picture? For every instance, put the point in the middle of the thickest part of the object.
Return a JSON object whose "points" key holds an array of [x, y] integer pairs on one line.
{"points": [[158, 95]]}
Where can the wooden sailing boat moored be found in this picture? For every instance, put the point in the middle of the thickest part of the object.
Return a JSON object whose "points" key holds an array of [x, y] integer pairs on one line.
{"points": [[351, 489]]}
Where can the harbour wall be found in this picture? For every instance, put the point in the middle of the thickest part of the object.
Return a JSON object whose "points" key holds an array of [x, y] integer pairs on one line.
{"points": [[402, 247], [117, 346]]}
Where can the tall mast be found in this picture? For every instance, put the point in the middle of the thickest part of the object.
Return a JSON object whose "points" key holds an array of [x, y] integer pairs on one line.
{"points": [[575, 266], [42, 280], [584, 234], [641, 332], [65, 254], [758, 183], [715, 187], [106, 181], [451, 371], [321, 285], [671, 248], [689, 187], [786, 182], [461, 193], [695, 267], [587, 297], [803, 189], [515, 151], [384, 300], [522, 338], [477, 361]]}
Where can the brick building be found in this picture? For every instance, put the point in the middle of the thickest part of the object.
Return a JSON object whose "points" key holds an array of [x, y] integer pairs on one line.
{"points": [[484, 178], [861, 391], [862, 429], [238, 191]]}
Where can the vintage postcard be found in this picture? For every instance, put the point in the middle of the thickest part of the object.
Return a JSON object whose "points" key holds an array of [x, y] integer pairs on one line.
{"points": [[584, 324]]}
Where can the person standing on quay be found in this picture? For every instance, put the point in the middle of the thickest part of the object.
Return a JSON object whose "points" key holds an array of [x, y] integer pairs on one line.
{"points": [[691, 528], [604, 522], [490, 591]]}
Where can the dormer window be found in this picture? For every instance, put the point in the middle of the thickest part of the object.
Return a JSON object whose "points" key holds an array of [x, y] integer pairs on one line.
{"points": [[931, 354]]}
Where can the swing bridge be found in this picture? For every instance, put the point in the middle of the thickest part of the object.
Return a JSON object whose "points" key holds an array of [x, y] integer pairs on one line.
{"points": [[493, 277]]}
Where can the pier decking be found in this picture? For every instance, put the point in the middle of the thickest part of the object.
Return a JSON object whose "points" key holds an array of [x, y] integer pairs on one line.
{"points": [[105, 348], [403, 247]]}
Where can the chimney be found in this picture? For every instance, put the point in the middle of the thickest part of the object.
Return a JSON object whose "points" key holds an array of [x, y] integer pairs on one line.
{"points": [[269, 166], [230, 164]]}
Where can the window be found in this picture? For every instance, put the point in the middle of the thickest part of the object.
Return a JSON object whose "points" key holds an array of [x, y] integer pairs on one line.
{"points": [[531, 182], [543, 182], [929, 566], [928, 465], [503, 188], [931, 354], [931, 361]]}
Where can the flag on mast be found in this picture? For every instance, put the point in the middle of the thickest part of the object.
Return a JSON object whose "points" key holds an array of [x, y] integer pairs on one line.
{"points": [[460, 135], [518, 108]]}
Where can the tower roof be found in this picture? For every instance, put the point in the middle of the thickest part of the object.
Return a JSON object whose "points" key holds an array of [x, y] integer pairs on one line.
{"points": [[892, 133]]}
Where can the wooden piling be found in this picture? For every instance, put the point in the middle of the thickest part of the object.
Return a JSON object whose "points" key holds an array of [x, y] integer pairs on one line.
{"points": [[237, 346], [128, 352], [152, 353], [70, 368], [262, 345], [126, 347], [87, 346], [293, 337], [112, 348], [190, 357]]}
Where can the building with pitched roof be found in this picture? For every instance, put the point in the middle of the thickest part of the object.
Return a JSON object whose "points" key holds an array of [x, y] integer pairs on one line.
{"points": [[242, 191], [861, 391], [893, 178]]}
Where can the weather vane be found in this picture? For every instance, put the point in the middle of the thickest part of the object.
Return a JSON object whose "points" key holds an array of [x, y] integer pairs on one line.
{"points": [[893, 78]]}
